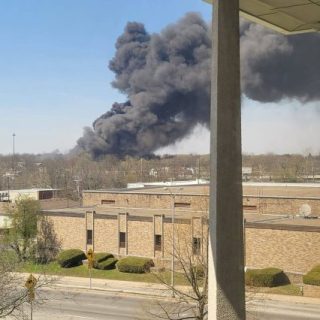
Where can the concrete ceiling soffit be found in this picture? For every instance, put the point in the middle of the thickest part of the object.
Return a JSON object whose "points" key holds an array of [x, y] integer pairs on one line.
{"points": [[285, 16]]}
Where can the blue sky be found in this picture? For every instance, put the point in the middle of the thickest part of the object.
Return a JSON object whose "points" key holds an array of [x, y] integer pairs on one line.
{"points": [[54, 78]]}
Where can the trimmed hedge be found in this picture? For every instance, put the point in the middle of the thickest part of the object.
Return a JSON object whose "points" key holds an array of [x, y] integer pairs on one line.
{"points": [[135, 265], [315, 269], [71, 258], [108, 264], [268, 277], [102, 256], [313, 276]]}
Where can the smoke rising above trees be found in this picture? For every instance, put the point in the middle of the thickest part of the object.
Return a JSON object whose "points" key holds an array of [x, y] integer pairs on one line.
{"points": [[166, 78]]}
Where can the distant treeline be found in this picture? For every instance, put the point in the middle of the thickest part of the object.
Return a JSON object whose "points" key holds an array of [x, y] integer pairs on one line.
{"points": [[73, 173]]}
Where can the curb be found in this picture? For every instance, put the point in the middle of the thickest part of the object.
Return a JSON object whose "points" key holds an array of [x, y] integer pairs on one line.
{"points": [[287, 298], [165, 295], [121, 291]]}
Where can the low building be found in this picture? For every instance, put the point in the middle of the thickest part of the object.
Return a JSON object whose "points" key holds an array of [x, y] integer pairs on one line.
{"points": [[34, 193], [133, 231], [282, 228], [48, 198]]}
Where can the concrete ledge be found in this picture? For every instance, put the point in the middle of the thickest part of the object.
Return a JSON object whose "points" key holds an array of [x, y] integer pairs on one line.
{"points": [[279, 226]]}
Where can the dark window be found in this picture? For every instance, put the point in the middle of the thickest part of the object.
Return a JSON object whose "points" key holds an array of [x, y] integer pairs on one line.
{"points": [[43, 195], [108, 201], [89, 236], [182, 204], [196, 246], [122, 239], [249, 207], [157, 242]]}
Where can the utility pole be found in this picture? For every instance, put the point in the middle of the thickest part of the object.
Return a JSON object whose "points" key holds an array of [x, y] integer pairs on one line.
{"points": [[173, 208], [13, 152]]}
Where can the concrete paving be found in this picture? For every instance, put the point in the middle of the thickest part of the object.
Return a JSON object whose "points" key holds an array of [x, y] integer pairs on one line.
{"points": [[71, 298], [75, 304], [129, 287]]}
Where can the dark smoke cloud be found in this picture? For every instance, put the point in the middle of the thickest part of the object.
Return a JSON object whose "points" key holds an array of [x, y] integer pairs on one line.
{"points": [[276, 67], [166, 78]]}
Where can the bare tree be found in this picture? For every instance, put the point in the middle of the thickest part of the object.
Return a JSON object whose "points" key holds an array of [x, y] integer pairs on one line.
{"points": [[191, 261], [13, 294], [48, 245]]}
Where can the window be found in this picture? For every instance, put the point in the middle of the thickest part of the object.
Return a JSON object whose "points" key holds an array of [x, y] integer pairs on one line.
{"points": [[182, 204], [122, 239], [196, 246], [157, 242], [89, 237], [249, 207], [108, 201]]}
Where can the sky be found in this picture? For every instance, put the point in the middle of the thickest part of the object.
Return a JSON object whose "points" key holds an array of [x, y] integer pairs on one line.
{"points": [[54, 77]]}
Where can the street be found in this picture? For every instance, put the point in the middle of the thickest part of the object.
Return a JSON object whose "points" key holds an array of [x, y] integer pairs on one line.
{"points": [[96, 305]]}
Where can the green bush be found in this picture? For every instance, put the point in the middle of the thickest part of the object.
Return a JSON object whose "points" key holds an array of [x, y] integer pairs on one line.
{"points": [[71, 258], [108, 264], [199, 271], [135, 265], [268, 277], [102, 256], [315, 269], [313, 276]]}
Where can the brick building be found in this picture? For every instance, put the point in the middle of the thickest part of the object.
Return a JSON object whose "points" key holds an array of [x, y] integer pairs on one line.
{"points": [[135, 222], [139, 222]]}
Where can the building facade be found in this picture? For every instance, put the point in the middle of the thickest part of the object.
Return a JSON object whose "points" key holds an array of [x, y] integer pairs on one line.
{"points": [[140, 222]]}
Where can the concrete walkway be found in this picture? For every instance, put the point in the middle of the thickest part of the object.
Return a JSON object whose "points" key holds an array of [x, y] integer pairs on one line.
{"points": [[156, 290], [130, 287]]}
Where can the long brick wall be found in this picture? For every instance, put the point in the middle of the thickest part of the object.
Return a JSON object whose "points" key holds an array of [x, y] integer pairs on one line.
{"points": [[263, 204], [140, 233], [284, 247]]}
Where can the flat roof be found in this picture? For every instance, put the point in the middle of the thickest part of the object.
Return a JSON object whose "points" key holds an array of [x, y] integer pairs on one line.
{"points": [[274, 221], [267, 221], [141, 212], [29, 190], [299, 190]]}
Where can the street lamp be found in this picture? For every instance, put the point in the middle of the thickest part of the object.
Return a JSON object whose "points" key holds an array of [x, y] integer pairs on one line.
{"points": [[13, 152], [173, 196]]}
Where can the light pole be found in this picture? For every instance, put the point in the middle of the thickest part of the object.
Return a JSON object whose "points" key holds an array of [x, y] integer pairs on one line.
{"points": [[13, 152], [173, 196]]}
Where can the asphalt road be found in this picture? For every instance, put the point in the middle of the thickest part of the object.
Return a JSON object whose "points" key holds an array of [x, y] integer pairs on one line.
{"points": [[95, 305]]}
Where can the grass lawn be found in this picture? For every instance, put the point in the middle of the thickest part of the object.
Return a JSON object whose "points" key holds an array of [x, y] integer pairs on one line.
{"points": [[288, 289], [54, 268]]}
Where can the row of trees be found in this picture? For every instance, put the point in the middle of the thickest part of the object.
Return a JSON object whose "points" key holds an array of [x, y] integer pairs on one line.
{"points": [[283, 168], [72, 173]]}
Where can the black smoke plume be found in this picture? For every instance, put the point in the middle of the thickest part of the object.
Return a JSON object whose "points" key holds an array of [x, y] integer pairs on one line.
{"points": [[276, 67], [166, 78]]}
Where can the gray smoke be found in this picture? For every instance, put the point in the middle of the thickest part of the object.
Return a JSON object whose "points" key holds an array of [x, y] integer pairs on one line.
{"points": [[166, 78], [276, 67]]}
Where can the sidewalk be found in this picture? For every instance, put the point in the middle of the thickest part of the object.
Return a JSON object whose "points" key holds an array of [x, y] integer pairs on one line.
{"points": [[130, 287], [157, 290]]}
